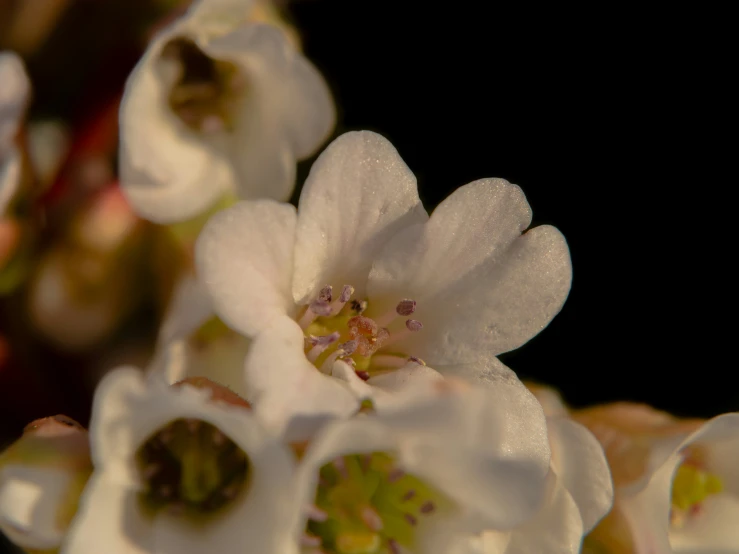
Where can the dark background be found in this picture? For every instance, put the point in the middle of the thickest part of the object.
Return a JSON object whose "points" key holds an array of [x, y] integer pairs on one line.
{"points": [[600, 118]]}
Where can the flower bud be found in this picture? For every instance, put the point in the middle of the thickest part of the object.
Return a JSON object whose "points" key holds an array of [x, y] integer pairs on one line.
{"points": [[42, 476]]}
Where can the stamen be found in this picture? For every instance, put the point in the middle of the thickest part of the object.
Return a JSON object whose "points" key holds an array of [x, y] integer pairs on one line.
{"points": [[359, 307], [348, 347], [315, 513], [415, 360], [321, 344], [392, 544], [326, 295], [410, 519], [427, 507], [150, 471], [363, 375], [340, 302], [328, 364], [413, 325], [321, 308], [395, 474], [340, 466], [407, 496]]}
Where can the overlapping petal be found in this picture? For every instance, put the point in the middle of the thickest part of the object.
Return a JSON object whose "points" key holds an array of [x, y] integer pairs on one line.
{"points": [[358, 195]]}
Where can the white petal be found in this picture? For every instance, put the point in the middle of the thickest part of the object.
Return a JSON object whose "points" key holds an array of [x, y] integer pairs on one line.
{"points": [[556, 528], [408, 376], [221, 14], [109, 518], [244, 258], [188, 309], [30, 498], [287, 112], [13, 96], [714, 529], [10, 176], [167, 171], [358, 195], [581, 466], [720, 438], [480, 284], [126, 411], [289, 394]]}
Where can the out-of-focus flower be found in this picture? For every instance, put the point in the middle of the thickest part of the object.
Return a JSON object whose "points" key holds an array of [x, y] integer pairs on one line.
{"points": [[14, 94], [193, 342], [442, 459], [180, 469], [88, 281], [579, 493], [218, 106], [42, 476], [361, 273], [677, 481]]}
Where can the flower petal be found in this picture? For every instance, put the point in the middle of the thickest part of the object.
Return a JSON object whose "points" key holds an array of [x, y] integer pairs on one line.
{"points": [[286, 114], [289, 394], [13, 96], [110, 518], [581, 466], [713, 530], [358, 195], [188, 309], [167, 171], [30, 499], [556, 528], [10, 176], [244, 259], [480, 284], [408, 376]]}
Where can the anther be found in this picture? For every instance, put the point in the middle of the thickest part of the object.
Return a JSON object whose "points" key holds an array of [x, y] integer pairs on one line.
{"points": [[406, 307], [410, 519], [150, 471], [363, 375], [325, 295], [193, 425], [407, 496], [427, 507], [348, 347], [395, 475], [393, 546], [413, 325], [346, 293], [415, 360], [358, 307], [320, 308], [321, 343], [315, 513], [371, 518], [340, 466], [218, 438]]}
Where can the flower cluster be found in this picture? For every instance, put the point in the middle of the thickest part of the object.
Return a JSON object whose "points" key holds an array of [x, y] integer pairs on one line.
{"points": [[325, 377]]}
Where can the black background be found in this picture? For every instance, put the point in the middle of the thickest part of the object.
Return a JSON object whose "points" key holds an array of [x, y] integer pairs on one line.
{"points": [[601, 118]]}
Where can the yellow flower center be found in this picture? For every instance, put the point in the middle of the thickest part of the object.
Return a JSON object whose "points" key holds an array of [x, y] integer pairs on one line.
{"points": [[340, 328], [365, 504], [691, 486], [207, 91], [191, 466]]}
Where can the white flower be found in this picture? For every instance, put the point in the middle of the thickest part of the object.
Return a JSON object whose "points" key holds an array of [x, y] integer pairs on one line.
{"points": [[677, 481], [14, 93], [41, 477], [442, 459], [218, 105], [340, 278], [177, 470]]}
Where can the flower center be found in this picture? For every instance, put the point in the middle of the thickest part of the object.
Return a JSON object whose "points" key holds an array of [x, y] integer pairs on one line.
{"points": [[207, 90], [190, 465], [365, 504], [339, 328], [691, 486]]}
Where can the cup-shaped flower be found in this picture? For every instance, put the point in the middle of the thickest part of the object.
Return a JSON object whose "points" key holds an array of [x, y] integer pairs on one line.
{"points": [[14, 94], [218, 105], [677, 481], [42, 476], [442, 459], [180, 469], [361, 273]]}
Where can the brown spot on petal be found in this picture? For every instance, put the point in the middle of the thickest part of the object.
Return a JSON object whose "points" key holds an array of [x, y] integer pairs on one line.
{"points": [[219, 393]]}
